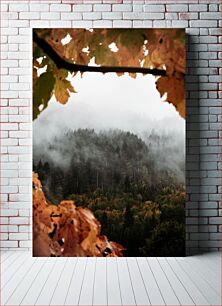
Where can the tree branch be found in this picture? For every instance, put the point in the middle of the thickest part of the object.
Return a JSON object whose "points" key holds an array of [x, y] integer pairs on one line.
{"points": [[63, 63]]}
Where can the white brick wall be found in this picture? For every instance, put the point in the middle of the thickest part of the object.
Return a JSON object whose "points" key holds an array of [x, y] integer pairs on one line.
{"points": [[200, 17]]}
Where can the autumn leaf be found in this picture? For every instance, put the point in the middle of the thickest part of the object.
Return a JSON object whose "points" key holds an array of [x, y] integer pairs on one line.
{"points": [[175, 89], [67, 230], [42, 92], [62, 87]]}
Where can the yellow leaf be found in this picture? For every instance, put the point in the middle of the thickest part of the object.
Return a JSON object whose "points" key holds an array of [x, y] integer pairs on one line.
{"points": [[62, 89], [174, 87]]}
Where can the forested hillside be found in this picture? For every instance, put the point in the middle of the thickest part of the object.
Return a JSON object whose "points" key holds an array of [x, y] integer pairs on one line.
{"points": [[134, 185]]}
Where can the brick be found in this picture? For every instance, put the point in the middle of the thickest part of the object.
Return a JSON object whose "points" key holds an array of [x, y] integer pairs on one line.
{"points": [[18, 23], [39, 23], [215, 63], [60, 24], [19, 71], [9, 244], [71, 16], [4, 7], [24, 212], [19, 150], [216, 31], [102, 24], [18, 236], [154, 8], [208, 40], [122, 23], [213, 7], [9, 212], [204, 31], [121, 7], [208, 16], [137, 7], [19, 102], [25, 244], [18, 220], [92, 15], [39, 7], [177, 8], [9, 126], [215, 236], [60, 7], [208, 205], [83, 8], [171, 16], [180, 23], [112, 15], [29, 15], [82, 24], [9, 173], [102, 7], [134, 15], [19, 118], [188, 16], [215, 220], [198, 7], [203, 23], [3, 220], [8, 228], [24, 229], [18, 7], [9, 31], [51, 16], [9, 142], [199, 236]]}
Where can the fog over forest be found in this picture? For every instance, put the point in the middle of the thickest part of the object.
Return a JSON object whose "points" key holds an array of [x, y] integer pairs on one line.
{"points": [[106, 102], [102, 112]]}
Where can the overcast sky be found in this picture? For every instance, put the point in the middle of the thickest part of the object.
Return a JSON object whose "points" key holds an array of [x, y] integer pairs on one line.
{"points": [[108, 101]]}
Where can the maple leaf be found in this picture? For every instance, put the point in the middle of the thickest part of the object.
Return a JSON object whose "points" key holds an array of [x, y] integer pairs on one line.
{"points": [[42, 91], [62, 87], [175, 89]]}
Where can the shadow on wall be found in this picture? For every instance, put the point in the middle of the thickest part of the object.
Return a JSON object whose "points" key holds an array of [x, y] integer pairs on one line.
{"points": [[192, 148]]}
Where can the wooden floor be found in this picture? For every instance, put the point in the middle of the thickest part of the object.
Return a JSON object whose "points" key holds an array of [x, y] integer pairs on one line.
{"points": [[99, 281]]}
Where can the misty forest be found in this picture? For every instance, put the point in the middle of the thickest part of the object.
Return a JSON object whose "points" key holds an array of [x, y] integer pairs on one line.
{"points": [[133, 185], [109, 142]]}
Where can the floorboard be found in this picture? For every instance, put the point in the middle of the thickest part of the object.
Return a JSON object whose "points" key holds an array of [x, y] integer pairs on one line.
{"points": [[48, 290], [207, 291], [35, 289], [182, 295], [100, 282], [27, 280], [213, 279], [73, 293], [153, 290], [165, 287], [141, 295], [113, 284], [188, 282], [126, 289], [62, 287]]}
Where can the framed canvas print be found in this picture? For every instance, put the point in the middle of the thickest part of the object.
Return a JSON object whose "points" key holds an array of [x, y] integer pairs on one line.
{"points": [[108, 142]]}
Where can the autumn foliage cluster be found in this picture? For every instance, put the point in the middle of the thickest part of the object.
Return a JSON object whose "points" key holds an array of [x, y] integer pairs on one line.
{"points": [[67, 230], [162, 49]]}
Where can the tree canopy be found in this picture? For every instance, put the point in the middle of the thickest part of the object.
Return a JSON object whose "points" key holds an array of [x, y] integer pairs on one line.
{"points": [[58, 52]]}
